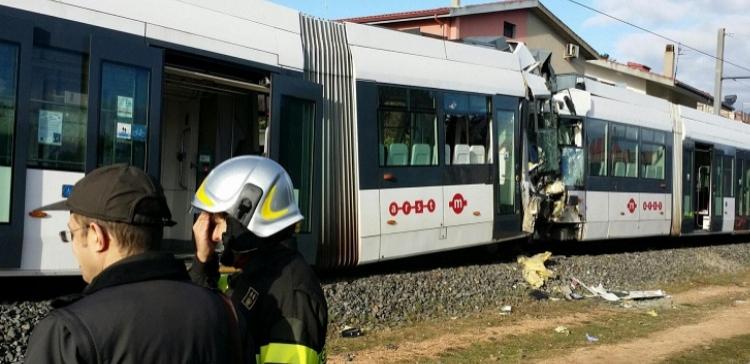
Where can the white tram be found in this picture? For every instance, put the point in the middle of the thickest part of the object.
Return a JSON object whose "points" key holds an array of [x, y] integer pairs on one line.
{"points": [[635, 165], [397, 144]]}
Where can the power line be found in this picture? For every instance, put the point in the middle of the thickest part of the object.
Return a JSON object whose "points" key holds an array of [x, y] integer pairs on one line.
{"points": [[658, 35]]}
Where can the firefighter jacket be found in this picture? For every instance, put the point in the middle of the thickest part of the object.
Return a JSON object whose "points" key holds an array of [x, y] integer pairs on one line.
{"points": [[281, 299], [142, 309]]}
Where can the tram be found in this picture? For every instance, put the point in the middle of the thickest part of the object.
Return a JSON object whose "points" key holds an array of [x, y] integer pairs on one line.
{"points": [[397, 144], [633, 165]]}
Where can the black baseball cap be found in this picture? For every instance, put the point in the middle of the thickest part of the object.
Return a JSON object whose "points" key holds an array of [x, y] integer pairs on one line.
{"points": [[118, 193]]}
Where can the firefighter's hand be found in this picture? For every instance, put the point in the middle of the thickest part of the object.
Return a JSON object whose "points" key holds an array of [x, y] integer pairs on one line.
{"points": [[202, 230]]}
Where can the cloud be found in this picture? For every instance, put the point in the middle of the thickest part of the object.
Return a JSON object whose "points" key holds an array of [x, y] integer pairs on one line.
{"points": [[692, 23]]}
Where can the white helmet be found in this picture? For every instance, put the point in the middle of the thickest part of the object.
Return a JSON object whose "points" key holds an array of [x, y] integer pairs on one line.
{"points": [[254, 190]]}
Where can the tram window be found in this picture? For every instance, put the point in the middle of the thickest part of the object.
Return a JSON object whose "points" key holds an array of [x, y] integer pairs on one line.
{"points": [[596, 131], [506, 161], [653, 154], [123, 118], [746, 188], [408, 127], [467, 128], [59, 104], [728, 177], [624, 151], [8, 84], [571, 158]]}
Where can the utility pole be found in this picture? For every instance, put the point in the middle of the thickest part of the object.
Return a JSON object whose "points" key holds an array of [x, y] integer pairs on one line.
{"points": [[719, 70]]}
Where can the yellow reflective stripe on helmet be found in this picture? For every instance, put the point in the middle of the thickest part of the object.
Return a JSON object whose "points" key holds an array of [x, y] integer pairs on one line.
{"points": [[267, 212], [288, 353], [202, 196]]}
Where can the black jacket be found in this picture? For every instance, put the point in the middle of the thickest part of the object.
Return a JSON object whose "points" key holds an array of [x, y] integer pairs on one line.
{"points": [[280, 297], [142, 309]]}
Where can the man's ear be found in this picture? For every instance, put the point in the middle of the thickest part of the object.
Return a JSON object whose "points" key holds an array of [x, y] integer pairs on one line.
{"points": [[102, 241]]}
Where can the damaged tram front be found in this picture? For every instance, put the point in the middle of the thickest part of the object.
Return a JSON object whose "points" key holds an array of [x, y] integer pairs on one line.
{"points": [[555, 166], [599, 164]]}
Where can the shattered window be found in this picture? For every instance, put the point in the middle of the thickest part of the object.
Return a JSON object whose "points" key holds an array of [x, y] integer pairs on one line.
{"points": [[624, 151], [571, 166], [596, 131], [571, 159], [653, 154], [548, 149], [570, 133]]}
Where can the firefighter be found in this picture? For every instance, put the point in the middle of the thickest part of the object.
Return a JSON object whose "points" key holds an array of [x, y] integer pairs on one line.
{"points": [[247, 210]]}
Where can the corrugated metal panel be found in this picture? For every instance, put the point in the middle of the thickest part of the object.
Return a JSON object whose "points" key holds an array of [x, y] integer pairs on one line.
{"points": [[328, 62]]}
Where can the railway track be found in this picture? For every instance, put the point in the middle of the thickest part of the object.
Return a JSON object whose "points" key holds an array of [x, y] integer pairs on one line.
{"points": [[444, 284]]}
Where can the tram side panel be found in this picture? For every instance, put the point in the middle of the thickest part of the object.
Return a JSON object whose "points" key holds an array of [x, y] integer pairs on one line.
{"points": [[432, 182], [717, 151], [628, 189]]}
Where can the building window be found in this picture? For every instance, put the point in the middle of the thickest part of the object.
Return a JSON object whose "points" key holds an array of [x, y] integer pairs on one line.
{"points": [[408, 127], [467, 126], [509, 30]]}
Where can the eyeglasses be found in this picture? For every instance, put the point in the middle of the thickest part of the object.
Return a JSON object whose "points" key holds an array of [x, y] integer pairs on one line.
{"points": [[67, 235]]}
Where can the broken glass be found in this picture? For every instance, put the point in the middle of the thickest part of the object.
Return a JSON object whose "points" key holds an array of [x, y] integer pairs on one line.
{"points": [[572, 167]]}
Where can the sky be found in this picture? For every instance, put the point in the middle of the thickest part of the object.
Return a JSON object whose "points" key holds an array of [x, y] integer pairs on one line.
{"points": [[693, 23]]}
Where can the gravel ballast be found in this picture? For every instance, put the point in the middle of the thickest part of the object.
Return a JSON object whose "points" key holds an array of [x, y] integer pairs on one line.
{"points": [[386, 299]]}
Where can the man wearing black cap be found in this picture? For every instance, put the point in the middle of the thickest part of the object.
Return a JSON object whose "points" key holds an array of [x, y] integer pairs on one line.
{"points": [[139, 305]]}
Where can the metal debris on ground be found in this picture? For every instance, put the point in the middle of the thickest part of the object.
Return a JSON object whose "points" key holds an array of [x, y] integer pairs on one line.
{"points": [[591, 338], [615, 296], [351, 332], [534, 271], [562, 330], [506, 310]]}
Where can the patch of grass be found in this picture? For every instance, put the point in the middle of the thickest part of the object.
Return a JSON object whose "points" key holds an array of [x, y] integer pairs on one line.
{"points": [[426, 330], [622, 327], [613, 324], [733, 350]]}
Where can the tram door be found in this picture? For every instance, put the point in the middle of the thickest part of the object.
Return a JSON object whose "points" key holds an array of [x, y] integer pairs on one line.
{"points": [[717, 190], [207, 119], [689, 179], [125, 85], [15, 54], [507, 173], [295, 135]]}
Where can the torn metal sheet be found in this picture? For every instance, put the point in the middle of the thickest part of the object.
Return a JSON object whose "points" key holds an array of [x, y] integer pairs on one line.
{"points": [[555, 188], [603, 293], [642, 295], [613, 296], [530, 213]]}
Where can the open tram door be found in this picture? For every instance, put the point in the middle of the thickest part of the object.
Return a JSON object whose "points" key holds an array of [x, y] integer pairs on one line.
{"points": [[213, 110], [506, 136], [16, 41], [294, 142], [689, 188], [703, 185]]}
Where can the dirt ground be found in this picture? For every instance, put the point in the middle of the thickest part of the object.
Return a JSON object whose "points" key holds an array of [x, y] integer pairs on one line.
{"points": [[717, 312]]}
